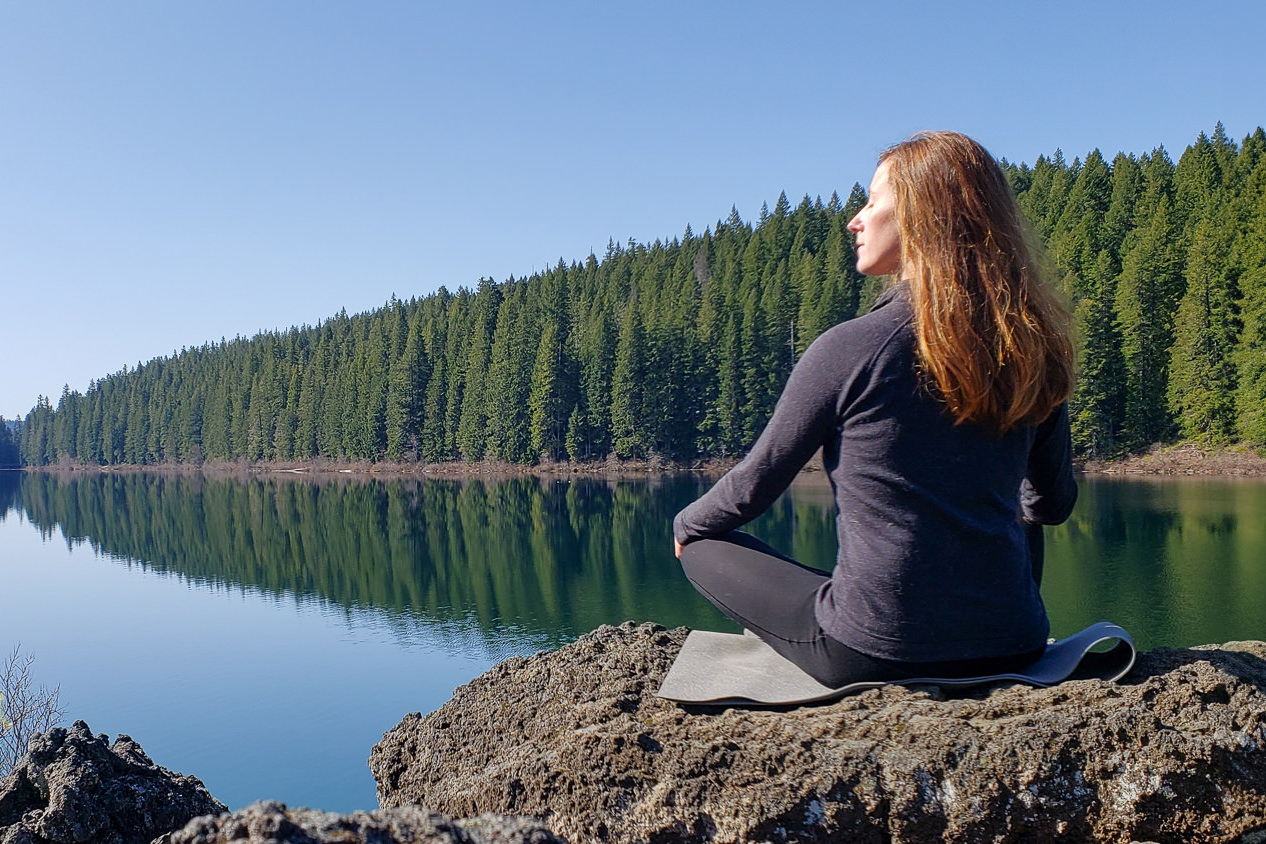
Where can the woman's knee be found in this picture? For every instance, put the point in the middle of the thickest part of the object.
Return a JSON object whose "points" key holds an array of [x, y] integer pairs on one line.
{"points": [[700, 560]]}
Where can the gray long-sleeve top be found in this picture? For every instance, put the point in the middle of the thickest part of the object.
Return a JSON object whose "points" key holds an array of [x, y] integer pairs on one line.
{"points": [[933, 562]]}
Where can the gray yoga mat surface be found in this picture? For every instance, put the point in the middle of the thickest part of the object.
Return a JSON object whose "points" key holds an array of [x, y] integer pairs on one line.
{"points": [[731, 668]]}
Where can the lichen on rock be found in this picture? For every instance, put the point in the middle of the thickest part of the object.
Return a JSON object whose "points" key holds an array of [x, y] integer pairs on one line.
{"points": [[1175, 752]]}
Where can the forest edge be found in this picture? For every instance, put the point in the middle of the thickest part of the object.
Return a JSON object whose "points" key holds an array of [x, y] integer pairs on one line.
{"points": [[1184, 459]]}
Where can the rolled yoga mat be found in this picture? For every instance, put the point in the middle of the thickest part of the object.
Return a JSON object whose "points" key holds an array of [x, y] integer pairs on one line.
{"points": [[732, 668]]}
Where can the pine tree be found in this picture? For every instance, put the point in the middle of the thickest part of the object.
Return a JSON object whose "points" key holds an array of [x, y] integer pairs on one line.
{"points": [[36, 437], [628, 438], [1202, 366], [589, 427], [1033, 192], [311, 389], [681, 356], [88, 434], [756, 360], [709, 331], [1250, 356], [1118, 222], [841, 284], [1098, 408], [473, 395], [1148, 292], [1197, 181], [1062, 177], [548, 413], [461, 316], [433, 439], [809, 280], [64, 423], [576, 440], [406, 392], [507, 386], [256, 426], [373, 389], [1077, 238], [287, 420]]}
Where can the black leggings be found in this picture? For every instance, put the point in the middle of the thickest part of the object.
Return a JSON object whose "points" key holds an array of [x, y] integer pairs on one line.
{"points": [[774, 596]]}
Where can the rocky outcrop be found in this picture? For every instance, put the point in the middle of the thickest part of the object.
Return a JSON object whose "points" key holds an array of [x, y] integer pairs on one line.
{"points": [[273, 823], [74, 787], [1175, 752]]}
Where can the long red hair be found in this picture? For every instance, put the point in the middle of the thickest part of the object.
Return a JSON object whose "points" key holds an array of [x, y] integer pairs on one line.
{"points": [[992, 338]]}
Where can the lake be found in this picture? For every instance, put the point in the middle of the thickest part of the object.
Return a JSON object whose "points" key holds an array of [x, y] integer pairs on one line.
{"points": [[262, 634]]}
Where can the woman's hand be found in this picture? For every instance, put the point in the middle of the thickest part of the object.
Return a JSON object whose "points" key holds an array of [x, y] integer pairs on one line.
{"points": [[677, 548]]}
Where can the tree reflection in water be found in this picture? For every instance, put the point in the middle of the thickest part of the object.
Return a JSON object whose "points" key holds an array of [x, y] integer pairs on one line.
{"points": [[509, 565]]}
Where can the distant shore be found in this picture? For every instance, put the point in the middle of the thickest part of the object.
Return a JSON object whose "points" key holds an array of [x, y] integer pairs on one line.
{"points": [[1183, 459], [1178, 460], [453, 470]]}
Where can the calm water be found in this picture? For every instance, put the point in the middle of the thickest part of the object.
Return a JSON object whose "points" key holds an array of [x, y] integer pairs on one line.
{"points": [[262, 635]]}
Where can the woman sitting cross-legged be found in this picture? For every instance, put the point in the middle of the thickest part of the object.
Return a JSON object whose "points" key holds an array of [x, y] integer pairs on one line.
{"points": [[942, 419]]}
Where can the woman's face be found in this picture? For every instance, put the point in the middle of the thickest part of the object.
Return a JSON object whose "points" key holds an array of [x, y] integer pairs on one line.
{"points": [[875, 229]]}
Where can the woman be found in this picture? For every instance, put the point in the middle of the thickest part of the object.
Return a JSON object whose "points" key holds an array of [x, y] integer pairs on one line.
{"points": [[944, 432]]}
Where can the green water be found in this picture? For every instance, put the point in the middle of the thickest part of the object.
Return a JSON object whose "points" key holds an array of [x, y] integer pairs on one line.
{"points": [[1177, 562], [262, 634]]}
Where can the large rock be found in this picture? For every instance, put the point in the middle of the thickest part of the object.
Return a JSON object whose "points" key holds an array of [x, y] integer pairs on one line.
{"points": [[1176, 752], [74, 787], [273, 823]]}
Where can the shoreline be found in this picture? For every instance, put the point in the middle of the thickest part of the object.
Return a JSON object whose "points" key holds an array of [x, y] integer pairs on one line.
{"points": [[453, 470], [1185, 459]]}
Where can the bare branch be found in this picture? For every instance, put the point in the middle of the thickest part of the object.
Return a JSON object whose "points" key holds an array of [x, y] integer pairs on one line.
{"points": [[24, 709]]}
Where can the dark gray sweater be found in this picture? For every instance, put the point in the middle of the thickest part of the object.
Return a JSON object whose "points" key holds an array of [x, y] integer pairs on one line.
{"points": [[933, 562]]}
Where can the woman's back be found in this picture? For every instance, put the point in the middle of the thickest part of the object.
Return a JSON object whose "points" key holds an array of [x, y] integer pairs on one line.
{"points": [[933, 555], [933, 559]]}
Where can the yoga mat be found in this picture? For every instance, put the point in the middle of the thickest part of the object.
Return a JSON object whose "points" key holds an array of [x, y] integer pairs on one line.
{"points": [[731, 668]]}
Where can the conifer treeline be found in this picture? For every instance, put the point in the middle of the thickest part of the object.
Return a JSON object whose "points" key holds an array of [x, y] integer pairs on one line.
{"points": [[676, 348], [1166, 268], [680, 348]]}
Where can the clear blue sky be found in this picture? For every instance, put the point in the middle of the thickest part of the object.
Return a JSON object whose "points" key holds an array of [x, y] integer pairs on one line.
{"points": [[175, 172]]}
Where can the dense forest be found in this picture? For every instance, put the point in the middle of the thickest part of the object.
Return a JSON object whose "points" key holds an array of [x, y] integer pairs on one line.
{"points": [[679, 348]]}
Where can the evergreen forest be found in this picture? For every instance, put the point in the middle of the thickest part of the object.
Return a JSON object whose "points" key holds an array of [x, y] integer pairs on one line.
{"points": [[679, 348]]}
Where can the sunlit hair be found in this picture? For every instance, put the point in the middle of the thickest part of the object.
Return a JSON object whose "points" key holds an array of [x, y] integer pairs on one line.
{"points": [[992, 338]]}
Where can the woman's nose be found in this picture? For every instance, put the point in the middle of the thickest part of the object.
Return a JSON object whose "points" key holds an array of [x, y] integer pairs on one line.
{"points": [[855, 224]]}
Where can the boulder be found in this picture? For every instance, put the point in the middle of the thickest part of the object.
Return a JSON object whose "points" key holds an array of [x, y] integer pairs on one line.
{"points": [[1175, 752], [273, 823], [74, 787]]}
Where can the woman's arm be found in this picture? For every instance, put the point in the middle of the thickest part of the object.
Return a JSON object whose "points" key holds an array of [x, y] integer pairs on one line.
{"points": [[803, 420], [1049, 491]]}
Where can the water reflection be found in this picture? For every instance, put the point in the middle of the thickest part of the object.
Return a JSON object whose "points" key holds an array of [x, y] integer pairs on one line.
{"points": [[1178, 562], [510, 565], [525, 562], [10, 487]]}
